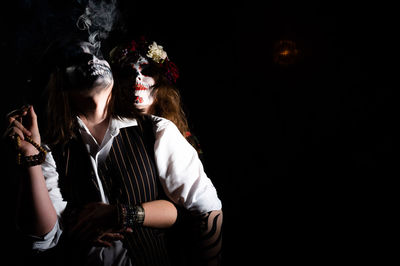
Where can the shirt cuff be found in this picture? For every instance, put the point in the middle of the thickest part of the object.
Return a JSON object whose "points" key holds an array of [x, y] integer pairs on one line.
{"points": [[47, 241]]}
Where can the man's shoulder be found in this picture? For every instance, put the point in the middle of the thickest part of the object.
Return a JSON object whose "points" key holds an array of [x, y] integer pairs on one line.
{"points": [[158, 123], [161, 123]]}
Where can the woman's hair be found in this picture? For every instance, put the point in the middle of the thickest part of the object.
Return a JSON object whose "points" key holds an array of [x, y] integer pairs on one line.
{"points": [[167, 101]]}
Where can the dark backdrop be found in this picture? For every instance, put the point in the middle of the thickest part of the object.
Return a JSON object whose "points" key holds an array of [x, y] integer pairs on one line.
{"points": [[300, 153]]}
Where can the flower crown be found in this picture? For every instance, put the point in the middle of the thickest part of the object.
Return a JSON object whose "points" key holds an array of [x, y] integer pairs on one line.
{"points": [[153, 52]]}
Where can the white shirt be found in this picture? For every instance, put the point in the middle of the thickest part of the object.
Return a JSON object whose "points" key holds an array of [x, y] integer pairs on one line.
{"points": [[180, 171]]}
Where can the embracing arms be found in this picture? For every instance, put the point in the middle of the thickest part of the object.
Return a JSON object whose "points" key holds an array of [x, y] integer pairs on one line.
{"points": [[186, 183], [37, 214]]}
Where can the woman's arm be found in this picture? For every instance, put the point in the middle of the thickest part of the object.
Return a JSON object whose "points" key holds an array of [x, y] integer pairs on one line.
{"points": [[159, 214], [209, 240], [107, 218], [187, 184], [181, 172], [103, 223]]}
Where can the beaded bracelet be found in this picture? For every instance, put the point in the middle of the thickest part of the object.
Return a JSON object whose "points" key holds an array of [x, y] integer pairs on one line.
{"points": [[130, 216], [33, 159]]}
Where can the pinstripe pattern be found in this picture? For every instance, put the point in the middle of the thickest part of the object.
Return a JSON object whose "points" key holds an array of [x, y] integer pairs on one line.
{"points": [[129, 177], [128, 173]]}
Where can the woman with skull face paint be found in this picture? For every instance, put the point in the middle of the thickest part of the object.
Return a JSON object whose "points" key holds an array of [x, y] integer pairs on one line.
{"points": [[152, 75], [99, 189], [145, 69]]}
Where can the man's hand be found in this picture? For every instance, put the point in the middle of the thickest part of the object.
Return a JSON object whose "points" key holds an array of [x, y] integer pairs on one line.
{"points": [[23, 122]]}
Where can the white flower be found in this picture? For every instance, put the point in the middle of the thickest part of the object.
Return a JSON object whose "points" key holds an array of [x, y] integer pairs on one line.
{"points": [[156, 53]]}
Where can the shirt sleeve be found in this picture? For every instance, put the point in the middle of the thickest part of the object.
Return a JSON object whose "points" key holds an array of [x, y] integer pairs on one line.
{"points": [[181, 171], [49, 240], [50, 173]]}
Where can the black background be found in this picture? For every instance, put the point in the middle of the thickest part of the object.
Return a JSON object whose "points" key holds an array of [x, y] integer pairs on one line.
{"points": [[301, 155]]}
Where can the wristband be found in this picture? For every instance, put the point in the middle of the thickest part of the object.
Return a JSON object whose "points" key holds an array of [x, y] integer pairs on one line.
{"points": [[130, 216], [33, 159]]}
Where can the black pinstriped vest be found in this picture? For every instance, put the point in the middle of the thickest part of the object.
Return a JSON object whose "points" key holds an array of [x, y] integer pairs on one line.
{"points": [[128, 176]]}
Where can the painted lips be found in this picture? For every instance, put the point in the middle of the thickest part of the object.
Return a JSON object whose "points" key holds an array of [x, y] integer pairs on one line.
{"points": [[140, 87]]}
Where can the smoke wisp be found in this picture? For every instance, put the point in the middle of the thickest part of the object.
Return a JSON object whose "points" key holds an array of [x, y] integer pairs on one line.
{"points": [[98, 19]]}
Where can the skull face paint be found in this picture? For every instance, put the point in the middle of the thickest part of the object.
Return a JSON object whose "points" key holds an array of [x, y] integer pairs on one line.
{"points": [[143, 84], [84, 70]]}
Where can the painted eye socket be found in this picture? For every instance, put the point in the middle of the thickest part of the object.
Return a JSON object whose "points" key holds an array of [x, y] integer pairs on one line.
{"points": [[147, 70], [139, 67], [127, 72], [143, 66], [78, 59]]}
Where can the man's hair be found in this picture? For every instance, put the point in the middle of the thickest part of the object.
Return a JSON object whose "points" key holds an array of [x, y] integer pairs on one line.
{"points": [[61, 113]]}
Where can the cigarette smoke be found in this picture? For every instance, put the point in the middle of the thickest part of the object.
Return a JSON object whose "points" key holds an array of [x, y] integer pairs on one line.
{"points": [[98, 20]]}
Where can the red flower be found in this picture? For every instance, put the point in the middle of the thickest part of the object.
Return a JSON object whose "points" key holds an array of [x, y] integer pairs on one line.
{"points": [[172, 71], [133, 47]]}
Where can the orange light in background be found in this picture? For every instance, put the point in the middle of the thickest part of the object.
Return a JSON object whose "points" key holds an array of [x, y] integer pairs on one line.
{"points": [[285, 52]]}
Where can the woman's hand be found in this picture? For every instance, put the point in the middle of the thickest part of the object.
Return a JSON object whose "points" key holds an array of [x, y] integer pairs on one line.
{"points": [[23, 122], [97, 223]]}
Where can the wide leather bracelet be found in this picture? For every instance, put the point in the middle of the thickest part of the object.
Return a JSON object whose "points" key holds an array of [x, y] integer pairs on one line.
{"points": [[130, 216]]}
